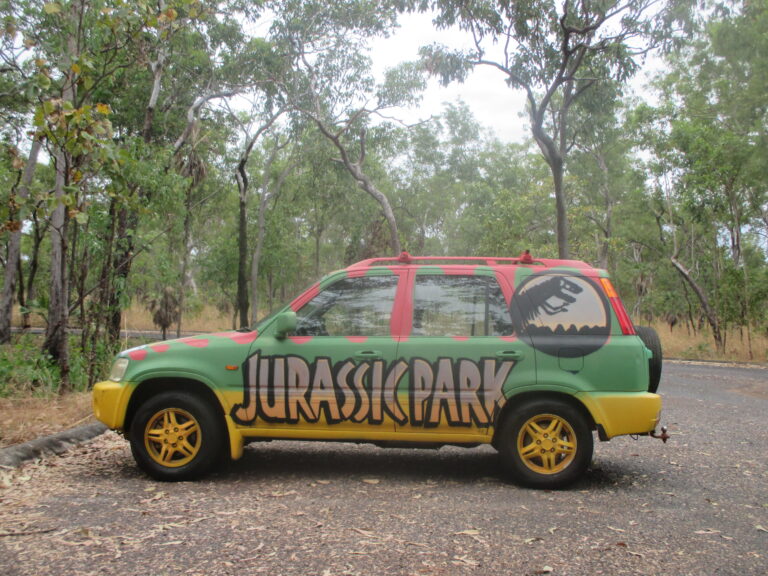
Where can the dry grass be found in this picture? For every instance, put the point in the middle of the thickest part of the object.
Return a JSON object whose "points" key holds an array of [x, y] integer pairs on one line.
{"points": [[682, 343], [24, 419], [207, 320]]}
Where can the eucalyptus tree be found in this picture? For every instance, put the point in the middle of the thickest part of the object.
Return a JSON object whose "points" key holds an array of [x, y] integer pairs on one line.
{"points": [[69, 50], [718, 130], [556, 51], [198, 54], [332, 83]]}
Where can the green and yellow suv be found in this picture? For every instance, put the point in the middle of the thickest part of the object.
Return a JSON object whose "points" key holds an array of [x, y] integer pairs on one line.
{"points": [[528, 355]]}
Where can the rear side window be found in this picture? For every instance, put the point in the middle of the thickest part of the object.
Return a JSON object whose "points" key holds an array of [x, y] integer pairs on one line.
{"points": [[350, 307], [459, 306]]}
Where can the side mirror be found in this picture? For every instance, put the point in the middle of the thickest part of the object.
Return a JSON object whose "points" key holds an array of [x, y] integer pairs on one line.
{"points": [[285, 323]]}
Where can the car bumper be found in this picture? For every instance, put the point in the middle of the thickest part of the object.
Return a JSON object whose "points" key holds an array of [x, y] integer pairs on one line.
{"points": [[617, 414], [110, 402]]}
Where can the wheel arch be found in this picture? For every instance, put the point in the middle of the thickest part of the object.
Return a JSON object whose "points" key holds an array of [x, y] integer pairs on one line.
{"points": [[154, 386], [513, 402]]}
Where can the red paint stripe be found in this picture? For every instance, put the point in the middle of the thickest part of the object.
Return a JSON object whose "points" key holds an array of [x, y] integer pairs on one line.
{"points": [[138, 354], [196, 342], [300, 339], [241, 337]]}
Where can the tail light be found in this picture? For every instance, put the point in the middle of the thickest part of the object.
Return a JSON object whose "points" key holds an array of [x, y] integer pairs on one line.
{"points": [[627, 328]]}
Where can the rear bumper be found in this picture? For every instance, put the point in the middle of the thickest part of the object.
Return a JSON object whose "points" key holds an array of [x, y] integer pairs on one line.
{"points": [[617, 414]]}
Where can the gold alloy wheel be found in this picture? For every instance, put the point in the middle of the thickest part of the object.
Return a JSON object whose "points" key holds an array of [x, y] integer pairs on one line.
{"points": [[172, 437], [547, 444]]}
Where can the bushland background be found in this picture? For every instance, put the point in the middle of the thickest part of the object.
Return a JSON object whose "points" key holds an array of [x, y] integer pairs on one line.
{"points": [[188, 165]]}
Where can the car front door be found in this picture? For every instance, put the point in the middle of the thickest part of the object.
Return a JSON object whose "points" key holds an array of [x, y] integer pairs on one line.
{"points": [[332, 377]]}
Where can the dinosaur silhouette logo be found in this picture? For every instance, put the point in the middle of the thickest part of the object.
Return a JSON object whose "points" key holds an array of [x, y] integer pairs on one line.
{"points": [[564, 315]]}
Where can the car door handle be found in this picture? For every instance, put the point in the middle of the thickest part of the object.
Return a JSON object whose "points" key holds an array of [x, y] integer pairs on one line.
{"points": [[368, 355], [510, 354]]}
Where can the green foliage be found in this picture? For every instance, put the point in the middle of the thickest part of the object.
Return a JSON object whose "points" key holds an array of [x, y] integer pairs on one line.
{"points": [[24, 371], [684, 177]]}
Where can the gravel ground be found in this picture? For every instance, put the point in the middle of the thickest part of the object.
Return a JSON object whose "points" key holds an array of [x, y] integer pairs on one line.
{"points": [[697, 505]]}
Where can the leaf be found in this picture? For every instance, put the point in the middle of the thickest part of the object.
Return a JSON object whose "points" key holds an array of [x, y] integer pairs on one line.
{"points": [[52, 8], [464, 561], [761, 528], [371, 480], [467, 533]]}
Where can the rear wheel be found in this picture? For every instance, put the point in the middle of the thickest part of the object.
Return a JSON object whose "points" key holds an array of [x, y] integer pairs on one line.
{"points": [[176, 436], [650, 338], [545, 443]]}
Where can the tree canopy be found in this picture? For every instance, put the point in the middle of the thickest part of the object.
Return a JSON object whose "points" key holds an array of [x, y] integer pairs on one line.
{"points": [[178, 154]]}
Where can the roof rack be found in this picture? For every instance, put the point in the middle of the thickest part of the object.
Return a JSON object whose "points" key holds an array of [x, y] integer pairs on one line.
{"points": [[405, 258]]}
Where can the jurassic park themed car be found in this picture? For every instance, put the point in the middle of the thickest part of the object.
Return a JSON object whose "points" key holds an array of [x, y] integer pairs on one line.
{"points": [[529, 355]]}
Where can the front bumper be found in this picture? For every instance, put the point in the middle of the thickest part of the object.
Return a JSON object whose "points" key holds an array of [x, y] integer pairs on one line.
{"points": [[110, 402]]}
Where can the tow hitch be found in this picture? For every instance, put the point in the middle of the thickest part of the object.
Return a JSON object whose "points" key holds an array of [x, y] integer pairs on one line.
{"points": [[663, 436]]}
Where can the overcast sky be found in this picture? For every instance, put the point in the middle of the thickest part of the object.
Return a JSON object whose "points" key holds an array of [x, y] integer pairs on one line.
{"points": [[493, 103]]}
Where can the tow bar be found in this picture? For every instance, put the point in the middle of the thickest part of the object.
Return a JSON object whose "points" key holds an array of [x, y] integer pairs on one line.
{"points": [[663, 436]]}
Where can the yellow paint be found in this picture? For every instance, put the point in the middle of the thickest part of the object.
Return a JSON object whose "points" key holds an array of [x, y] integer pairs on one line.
{"points": [[110, 403], [172, 437], [623, 413], [236, 441], [547, 444], [371, 434]]}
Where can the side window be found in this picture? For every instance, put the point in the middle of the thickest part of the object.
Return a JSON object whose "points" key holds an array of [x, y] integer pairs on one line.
{"points": [[350, 307], [459, 306], [556, 304]]}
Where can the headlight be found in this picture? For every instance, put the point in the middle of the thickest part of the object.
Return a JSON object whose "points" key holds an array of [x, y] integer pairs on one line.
{"points": [[118, 369]]}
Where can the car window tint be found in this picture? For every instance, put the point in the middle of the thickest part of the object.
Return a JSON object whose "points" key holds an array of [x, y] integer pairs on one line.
{"points": [[459, 306], [350, 307]]}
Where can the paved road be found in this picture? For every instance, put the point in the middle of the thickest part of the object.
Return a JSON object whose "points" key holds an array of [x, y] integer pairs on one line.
{"points": [[697, 505]]}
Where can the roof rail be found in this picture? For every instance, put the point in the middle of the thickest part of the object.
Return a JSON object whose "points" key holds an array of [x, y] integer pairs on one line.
{"points": [[405, 258]]}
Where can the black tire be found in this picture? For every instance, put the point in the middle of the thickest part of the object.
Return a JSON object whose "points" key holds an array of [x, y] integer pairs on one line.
{"points": [[651, 340], [525, 434], [177, 436]]}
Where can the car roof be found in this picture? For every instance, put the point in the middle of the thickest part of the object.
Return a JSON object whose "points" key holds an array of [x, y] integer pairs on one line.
{"points": [[525, 259]]}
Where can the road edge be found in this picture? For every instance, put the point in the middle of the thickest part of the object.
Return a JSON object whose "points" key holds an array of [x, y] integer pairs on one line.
{"points": [[14, 456]]}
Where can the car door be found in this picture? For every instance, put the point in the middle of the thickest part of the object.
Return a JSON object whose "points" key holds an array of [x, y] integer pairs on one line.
{"points": [[330, 376], [462, 352]]}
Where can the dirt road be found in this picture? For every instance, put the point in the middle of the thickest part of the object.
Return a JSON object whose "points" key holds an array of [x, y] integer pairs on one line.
{"points": [[697, 505]]}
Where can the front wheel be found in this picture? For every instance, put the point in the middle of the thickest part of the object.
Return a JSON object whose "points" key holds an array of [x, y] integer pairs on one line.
{"points": [[176, 436], [546, 444]]}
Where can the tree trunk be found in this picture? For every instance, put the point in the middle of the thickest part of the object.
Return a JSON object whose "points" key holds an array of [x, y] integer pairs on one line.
{"points": [[55, 344], [356, 170], [38, 234], [267, 194], [554, 160], [242, 261], [12, 265], [185, 255], [709, 312]]}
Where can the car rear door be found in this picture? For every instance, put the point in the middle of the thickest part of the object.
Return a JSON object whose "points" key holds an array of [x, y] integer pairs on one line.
{"points": [[462, 352]]}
